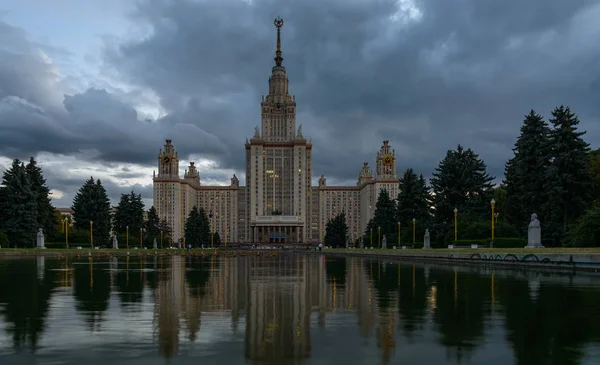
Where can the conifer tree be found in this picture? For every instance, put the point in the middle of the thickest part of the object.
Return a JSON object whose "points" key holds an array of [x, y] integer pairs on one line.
{"points": [[153, 225], [525, 173], [192, 228], [197, 228], [336, 231], [91, 203], [460, 181], [18, 206], [595, 166], [45, 212], [384, 219], [414, 201], [166, 231], [129, 212], [568, 188], [216, 239]]}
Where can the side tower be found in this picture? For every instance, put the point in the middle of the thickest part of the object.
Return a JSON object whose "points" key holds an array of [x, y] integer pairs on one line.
{"points": [[167, 188]]}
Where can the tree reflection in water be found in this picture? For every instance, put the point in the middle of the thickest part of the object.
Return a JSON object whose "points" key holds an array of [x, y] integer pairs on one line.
{"points": [[285, 303]]}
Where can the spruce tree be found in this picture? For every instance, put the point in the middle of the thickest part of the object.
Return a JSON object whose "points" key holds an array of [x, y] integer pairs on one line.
{"points": [[336, 231], [19, 207], [568, 188], [205, 227], [91, 203], [166, 231], [460, 181], [370, 229], [192, 228], [384, 219], [595, 166], [129, 212], [45, 216], [414, 201], [153, 225], [216, 239], [525, 173]]}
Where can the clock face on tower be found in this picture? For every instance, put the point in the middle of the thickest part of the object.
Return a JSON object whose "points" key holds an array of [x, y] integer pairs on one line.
{"points": [[387, 160], [166, 159]]}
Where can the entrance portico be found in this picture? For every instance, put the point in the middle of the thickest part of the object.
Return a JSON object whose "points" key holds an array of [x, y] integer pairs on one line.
{"points": [[277, 229]]}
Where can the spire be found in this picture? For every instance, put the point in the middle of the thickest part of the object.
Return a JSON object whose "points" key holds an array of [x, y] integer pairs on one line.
{"points": [[278, 24]]}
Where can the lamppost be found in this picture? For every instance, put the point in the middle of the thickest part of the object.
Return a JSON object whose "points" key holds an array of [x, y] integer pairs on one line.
{"points": [[210, 215], [493, 203], [456, 224], [414, 226], [371, 237], [66, 229], [140, 237], [161, 246], [92, 234], [378, 237], [398, 234], [127, 237]]}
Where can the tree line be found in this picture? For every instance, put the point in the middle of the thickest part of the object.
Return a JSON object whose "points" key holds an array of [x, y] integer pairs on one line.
{"points": [[25, 207], [552, 173]]}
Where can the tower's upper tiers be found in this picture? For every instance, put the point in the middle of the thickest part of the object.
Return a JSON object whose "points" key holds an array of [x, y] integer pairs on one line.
{"points": [[278, 108]]}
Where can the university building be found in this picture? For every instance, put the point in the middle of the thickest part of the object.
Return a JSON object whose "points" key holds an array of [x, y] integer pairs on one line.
{"points": [[278, 204]]}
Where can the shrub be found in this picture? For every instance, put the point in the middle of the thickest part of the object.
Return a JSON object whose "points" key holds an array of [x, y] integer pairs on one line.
{"points": [[498, 242], [586, 232]]}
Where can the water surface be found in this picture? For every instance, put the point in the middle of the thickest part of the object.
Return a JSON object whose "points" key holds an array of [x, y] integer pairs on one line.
{"points": [[291, 309]]}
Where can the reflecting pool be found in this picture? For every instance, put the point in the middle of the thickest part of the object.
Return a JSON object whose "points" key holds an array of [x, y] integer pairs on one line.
{"points": [[291, 309]]}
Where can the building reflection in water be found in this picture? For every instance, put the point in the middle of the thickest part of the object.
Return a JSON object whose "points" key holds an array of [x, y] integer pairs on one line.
{"points": [[275, 296], [276, 307]]}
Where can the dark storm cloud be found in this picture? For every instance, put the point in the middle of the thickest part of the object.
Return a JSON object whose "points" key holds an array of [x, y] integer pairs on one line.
{"points": [[456, 73], [426, 76]]}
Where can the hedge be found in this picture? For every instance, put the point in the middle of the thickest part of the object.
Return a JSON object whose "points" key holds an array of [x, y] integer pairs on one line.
{"points": [[509, 242]]}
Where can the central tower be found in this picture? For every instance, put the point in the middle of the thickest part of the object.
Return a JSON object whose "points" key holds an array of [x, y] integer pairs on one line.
{"points": [[278, 165], [278, 107]]}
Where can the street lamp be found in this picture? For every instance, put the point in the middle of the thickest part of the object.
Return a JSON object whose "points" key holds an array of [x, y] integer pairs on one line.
{"points": [[414, 226], [379, 237], [127, 237], [493, 203], [66, 229], [398, 234], [210, 215], [140, 237], [161, 246], [455, 224], [92, 234], [371, 237]]}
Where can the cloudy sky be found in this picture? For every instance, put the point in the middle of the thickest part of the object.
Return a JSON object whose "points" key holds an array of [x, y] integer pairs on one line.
{"points": [[92, 88]]}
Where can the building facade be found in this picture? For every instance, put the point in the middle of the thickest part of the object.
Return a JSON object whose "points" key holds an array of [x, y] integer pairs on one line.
{"points": [[278, 204]]}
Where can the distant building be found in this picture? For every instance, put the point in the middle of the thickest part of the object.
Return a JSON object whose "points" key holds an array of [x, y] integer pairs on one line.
{"points": [[278, 203], [67, 213]]}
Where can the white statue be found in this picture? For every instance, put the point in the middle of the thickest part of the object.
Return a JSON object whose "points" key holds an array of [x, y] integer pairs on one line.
{"points": [[299, 134], [427, 240], [256, 132], [40, 239], [534, 233]]}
